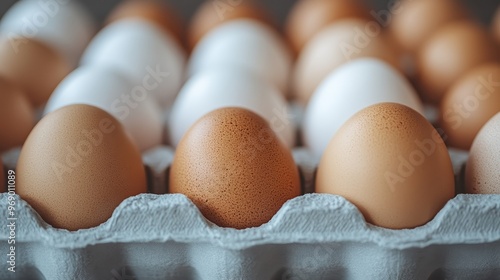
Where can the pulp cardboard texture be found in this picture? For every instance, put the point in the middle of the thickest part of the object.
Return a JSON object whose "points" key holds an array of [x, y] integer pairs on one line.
{"points": [[315, 236]]}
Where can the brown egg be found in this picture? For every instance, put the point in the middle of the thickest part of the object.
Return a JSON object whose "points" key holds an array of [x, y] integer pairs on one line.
{"points": [[414, 22], [35, 67], [308, 17], [234, 168], [155, 11], [450, 53], [496, 25], [77, 166], [391, 163], [482, 169], [470, 103], [16, 116], [336, 44], [213, 13]]}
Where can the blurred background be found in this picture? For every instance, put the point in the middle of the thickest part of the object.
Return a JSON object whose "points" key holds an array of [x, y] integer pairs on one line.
{"points": [[483, 9]]}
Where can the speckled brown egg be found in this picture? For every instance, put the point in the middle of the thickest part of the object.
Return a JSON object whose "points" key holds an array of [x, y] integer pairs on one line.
{"points": [[152, 10], [482, 175], [32, 65], [77, 165], [234, 168], [391, 163], [16, 116], [450, 53], [470, 103], [336, 44], [413, 22], [308, 17], [213, 13]]}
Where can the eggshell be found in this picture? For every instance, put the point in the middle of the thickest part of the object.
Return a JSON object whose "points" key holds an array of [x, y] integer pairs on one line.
{"points": [[77, 166], [308, 17], [211, 14], [349, 89], [413, 22], [450, 53], [335, 45], [142, 51], [391, 164], [212, 90], [65, 26], [16, 116], [234, 168], [246, 44], [496, 25], [32, 65], [154, 11], [470, 103], [113, 92], [482, 169]]}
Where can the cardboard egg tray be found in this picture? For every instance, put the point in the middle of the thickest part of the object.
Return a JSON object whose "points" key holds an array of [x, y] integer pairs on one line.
{"points": [[314, 236]]}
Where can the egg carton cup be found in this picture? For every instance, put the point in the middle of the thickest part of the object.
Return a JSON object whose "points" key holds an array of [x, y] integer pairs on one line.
{"points": [[314, 236]]}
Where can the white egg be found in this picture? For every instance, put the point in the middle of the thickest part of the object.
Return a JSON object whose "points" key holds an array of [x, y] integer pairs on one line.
{"points": [[149, 56], [113, 92], [247, 44], [349, 89], [64, 25], [223, 87]]}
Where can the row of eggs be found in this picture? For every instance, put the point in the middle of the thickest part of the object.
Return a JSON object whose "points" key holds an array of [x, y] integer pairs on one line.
{"points": [[240, 63]]}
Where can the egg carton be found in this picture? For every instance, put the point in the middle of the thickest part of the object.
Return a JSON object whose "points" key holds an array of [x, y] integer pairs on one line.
{"points": [[314, 236]]}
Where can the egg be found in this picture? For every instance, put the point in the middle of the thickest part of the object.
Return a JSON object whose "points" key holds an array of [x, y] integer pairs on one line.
{"points": [[152, 10], [349, 89], [150, 57], [234, 168], [211, 14], [450, 53], [212, 90], [481, 171], [391, 163], [335, 45], [77, 166], [65, 26], [496, 25], [246, 44], [470, 103], [17, 117], [113, 92], [33, 66], [308, 17], [415, 21]]}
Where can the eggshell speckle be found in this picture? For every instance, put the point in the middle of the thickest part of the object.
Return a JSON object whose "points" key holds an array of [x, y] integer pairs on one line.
{"points": [[77, 166], [3, 182], [16, 116], [391, 163], [482, 174], [33, 66], [470, 103], [234, 168], [450, 53]]}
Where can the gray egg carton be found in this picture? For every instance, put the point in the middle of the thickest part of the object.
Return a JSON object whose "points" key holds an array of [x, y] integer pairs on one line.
{"points": [[314, 236]]}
